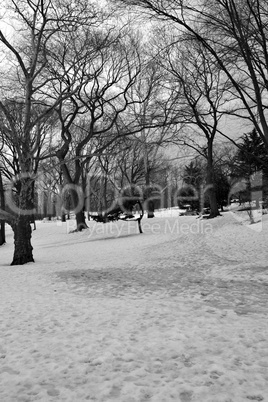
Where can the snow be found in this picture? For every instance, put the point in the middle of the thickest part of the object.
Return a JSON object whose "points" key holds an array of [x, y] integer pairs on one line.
{"points": [[178, 313]]}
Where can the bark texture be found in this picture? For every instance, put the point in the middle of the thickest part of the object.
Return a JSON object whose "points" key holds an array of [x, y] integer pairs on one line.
{"points": [[23, 251], [2, 206], [80, 221]]}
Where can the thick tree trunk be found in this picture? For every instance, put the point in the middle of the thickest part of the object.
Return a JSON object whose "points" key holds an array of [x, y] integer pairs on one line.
{"points": [[214, 211], [2, 233], [23, 252], [80, 221], [22, 241], [150, 209], [2, 206], [73, 195], [78, 207]]}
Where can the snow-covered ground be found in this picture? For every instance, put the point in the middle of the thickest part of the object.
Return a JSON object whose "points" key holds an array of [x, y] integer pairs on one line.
{"points": [[178, 313]]}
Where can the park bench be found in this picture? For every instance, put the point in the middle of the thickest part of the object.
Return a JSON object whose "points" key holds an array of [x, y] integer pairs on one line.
{"points": [[123, 209]]}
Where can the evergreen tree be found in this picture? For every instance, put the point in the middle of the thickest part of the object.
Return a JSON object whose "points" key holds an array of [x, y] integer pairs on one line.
{"points": [[250, 161]]}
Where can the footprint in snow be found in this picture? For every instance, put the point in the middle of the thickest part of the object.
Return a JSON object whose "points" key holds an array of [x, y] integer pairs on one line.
{"points": [[255, 397], [216, 374], [51, 391], [186, 396]]}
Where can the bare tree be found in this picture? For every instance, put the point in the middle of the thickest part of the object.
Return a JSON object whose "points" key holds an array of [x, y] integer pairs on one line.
{"points": [[235, 33], [202, 99], [107, 71], [2, 206], [158, 106], [30, 91]]}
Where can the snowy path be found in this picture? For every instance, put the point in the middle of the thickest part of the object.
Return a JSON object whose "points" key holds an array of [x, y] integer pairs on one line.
{"points": [[178, 313]]}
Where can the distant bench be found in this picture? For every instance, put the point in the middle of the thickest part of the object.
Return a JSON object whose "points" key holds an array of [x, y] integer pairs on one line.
{"points": [[123, 210]]}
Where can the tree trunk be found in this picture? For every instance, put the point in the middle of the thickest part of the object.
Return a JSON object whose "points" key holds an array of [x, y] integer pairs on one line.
{"points": [[2, 233], [147, 193], [210, 183], [80, 221], [149, 204], [22, 226], [78, 208], [2, 206], [150, 209], [73, 196], [22, 241], [214, 211]]}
